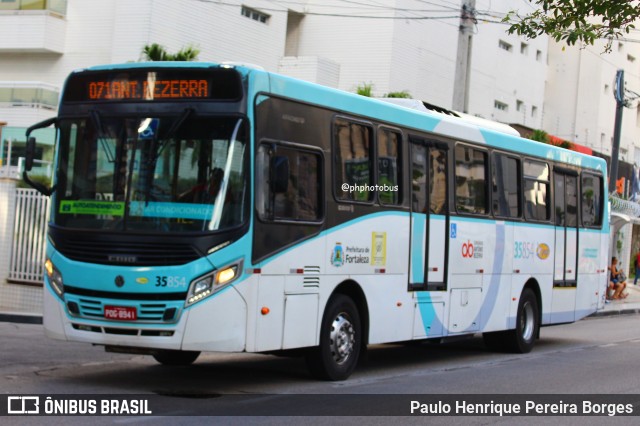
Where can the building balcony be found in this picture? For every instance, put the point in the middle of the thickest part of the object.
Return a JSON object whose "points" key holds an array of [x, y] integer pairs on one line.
{"points": [[32, 31], [23, 103]]}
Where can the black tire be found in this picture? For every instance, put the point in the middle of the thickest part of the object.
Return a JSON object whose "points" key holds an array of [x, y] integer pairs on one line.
{"points": [[340, 341], [171, 357], [522, 339]]}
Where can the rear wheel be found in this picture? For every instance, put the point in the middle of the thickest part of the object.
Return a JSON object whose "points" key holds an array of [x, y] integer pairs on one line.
{"points": [[523, 337], [340, 341], [171, 357]]}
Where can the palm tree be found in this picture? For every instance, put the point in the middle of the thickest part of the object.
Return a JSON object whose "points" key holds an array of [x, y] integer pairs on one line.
{"points": [[188, 53], [156, 52]]}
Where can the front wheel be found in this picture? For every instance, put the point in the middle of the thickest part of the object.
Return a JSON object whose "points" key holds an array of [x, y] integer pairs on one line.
{"points": [[340, 341], [171, 357]]}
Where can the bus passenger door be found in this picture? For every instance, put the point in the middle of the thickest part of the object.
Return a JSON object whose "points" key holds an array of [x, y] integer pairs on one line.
{"points": [[566, 245], [429, 239]]}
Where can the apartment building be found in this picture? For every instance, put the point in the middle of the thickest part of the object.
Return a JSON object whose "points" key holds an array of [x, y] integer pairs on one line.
{"points": [[579, 96]]}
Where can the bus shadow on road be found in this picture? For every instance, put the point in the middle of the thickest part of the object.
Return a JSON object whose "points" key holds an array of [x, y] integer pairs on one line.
{"points": [[214, 374]]}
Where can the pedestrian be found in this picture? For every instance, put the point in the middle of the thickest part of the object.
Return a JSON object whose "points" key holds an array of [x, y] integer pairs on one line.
{"points": [[618, 279]]}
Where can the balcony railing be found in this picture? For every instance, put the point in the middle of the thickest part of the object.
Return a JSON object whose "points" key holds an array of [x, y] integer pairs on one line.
{"points": [[57, 6], [16, 94], [630, 208]]}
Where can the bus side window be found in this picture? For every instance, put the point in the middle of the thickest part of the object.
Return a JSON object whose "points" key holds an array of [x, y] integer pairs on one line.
{"points": [[389, 167], [506, 186], [591, 200], [437, 181], [471, 181], [353, 161], [298, 196], [536, 190]]}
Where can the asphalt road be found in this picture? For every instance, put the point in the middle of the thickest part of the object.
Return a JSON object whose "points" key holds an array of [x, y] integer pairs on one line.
{"points": [[593, 356]]}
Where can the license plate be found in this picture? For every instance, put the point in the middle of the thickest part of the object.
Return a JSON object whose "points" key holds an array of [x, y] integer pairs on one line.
{"points": [[120, 313]]}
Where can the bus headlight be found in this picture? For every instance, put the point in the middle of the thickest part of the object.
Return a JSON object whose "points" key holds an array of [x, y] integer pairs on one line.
{"points": [[209, 284], [55, 278]]}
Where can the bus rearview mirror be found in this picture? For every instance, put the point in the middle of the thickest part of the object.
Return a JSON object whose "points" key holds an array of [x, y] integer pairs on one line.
{"points": [[30, 153]]}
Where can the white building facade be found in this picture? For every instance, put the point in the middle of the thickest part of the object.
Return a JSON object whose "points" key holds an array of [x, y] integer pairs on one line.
{"points": [[579, 100], [395, 45]]}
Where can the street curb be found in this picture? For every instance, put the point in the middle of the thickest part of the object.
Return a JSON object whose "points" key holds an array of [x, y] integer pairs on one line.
{"points": [[615, 312], [22, 319]]}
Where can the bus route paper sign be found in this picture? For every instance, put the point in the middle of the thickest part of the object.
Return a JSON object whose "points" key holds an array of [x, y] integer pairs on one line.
{"points": [[379, 248]]}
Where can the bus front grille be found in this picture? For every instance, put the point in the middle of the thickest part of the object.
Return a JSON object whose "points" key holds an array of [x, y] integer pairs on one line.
{"points": [[127, 253], [159, 312]]}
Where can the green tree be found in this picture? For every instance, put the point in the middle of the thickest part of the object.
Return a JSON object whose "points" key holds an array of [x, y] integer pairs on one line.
{"points": [[403, 94], [540, 136], [365, 89], [157, 52], [574, 21]]}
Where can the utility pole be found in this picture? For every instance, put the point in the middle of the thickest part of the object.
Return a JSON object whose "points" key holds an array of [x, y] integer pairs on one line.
{"points": [[463, 58], [615, 150]]}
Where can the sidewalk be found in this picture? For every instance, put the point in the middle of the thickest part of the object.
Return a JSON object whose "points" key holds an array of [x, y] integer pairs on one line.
{"points": [[630, 305]]}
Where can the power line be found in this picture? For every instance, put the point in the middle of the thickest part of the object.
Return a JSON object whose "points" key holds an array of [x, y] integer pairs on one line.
{"points": [[372, 4], [528, 3], [454, 6], [340, 15]]}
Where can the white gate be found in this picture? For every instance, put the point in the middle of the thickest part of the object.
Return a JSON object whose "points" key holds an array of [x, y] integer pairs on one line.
{"points": [[30, 233]]}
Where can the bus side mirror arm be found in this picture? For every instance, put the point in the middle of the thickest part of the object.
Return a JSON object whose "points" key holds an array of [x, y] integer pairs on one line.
{"points": [[30, 156]]}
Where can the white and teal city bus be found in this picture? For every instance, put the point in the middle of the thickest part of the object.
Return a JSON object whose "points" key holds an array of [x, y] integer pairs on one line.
{"points": [[216, 207]]}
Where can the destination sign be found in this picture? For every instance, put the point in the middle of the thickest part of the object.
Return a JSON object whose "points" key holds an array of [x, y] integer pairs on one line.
{"points": [[162, 89], [149, 85]]}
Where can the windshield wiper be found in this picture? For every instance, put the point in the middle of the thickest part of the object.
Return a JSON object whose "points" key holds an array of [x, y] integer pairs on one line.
{"points": [[179, 122], [170, 133], [96, 119], [153, 155]]}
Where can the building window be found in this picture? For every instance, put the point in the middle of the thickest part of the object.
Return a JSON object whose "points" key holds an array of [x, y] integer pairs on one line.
{"points": [[58, 6], [524, 48], [504, 45], [534, 111], [620, 47], [500, 106], [606, 88], [631, 58], [519, 106], [538, 55], [254, 14]]}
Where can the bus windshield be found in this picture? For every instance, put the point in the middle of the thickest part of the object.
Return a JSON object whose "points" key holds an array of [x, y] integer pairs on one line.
{"points": [[152, 174]]}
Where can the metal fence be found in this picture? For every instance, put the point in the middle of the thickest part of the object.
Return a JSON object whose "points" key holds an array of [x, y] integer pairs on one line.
{"points": [[30, 233]]}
